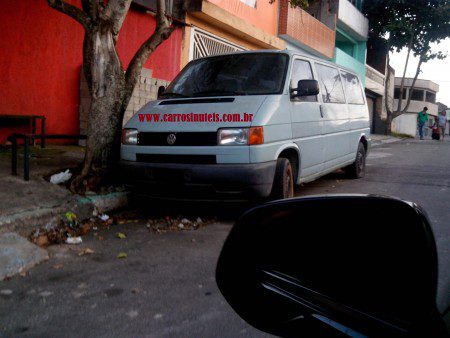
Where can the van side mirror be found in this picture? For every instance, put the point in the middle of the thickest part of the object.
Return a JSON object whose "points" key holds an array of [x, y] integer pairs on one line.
{"points": [[305, 88], [324, 266], [161, 90]]}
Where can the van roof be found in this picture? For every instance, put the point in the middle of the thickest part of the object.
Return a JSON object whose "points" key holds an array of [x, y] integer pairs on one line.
{"points": [[290, 53]]}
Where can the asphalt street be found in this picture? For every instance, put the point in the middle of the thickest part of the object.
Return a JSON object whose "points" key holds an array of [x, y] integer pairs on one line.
{"points": [[165, 286]]}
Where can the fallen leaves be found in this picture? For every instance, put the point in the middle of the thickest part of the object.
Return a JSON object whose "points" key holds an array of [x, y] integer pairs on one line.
{"points": [[122, 255], [85, 228], [86, 251], [161, 225], [42, 240], [121, 235], [66, 228]]}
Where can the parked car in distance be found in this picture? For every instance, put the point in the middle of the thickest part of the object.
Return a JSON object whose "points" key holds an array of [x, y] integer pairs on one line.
{"points": [[336, 266], [248, 124]]}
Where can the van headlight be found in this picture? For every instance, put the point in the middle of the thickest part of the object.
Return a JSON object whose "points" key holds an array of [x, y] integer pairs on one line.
{"points": [[130, 136], [240, 136]]}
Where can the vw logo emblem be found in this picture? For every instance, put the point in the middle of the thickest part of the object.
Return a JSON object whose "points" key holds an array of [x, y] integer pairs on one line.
{"points": [[171, 138]]}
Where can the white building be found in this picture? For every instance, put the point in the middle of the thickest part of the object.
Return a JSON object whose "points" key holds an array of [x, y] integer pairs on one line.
{"points": [[423, 95]]}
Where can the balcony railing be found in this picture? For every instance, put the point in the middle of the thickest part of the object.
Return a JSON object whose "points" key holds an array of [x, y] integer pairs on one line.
{"points": [[375, 80], [353, 21], [374, 75], [299, 27]]}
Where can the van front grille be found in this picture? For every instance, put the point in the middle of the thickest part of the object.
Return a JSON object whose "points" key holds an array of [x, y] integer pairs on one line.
{"points": [[186, 159], [179, 139]]}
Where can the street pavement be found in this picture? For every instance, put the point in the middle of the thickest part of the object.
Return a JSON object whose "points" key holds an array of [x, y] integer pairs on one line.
{"points": [[165, 286]]}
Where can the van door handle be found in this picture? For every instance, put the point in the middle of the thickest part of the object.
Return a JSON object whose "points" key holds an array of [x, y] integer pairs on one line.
{"points": [[321, 110]]}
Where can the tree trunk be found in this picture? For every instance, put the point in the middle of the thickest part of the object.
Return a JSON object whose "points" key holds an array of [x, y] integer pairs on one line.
{"points": [[389, 119], [109, 86], [402, 84], [106, 81]]}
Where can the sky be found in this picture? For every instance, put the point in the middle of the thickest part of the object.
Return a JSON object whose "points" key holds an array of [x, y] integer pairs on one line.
{"points": [[435, 70]]}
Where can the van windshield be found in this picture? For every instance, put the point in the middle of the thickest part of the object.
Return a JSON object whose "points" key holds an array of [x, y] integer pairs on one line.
{"points": [[230, 75]]}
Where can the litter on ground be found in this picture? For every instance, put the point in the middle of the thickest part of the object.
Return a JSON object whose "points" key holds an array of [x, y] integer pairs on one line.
{"points": [[74, 240], [61, 177]]}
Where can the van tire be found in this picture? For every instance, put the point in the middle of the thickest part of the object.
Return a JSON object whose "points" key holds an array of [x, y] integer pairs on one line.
{"points": [[358, 168], [283, 182]]}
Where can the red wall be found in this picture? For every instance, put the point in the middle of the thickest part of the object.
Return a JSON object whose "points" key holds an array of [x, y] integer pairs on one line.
{"points": [[41, 60]]}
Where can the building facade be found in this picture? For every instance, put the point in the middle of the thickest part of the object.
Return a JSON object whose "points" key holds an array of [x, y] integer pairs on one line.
{"points": [[311, 31], [349, 28], [351, 35], [376, 82], [221, 26], [42, 56], [423, 95]]}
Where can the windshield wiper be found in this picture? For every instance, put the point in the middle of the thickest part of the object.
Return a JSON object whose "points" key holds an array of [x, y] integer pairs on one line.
{"points": [[213, 92], [173, 94]]}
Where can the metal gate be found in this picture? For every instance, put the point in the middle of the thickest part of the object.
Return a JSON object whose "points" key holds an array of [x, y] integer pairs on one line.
{"points": [[205, 44]]}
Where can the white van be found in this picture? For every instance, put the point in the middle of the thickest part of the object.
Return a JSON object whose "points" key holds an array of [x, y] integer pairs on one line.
{"points": [[248, 124]]}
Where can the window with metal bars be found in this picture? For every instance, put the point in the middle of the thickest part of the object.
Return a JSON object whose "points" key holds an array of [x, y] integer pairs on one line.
{"points": [[206, 44]]}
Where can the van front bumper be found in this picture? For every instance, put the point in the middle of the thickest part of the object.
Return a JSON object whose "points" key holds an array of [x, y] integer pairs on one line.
{"points": [[199, 181]]}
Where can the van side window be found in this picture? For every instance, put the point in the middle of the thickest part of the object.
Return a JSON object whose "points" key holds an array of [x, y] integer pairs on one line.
{"points": [[330, 84], [301, 70], [353, 90]]}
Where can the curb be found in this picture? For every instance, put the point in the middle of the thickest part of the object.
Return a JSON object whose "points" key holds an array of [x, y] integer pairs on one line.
{"points": [[17, 254], [24, 222], [379, 143]]}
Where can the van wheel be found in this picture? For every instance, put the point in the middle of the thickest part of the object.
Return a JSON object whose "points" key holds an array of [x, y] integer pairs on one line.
{"points": [[358, 168], [283, 183]]}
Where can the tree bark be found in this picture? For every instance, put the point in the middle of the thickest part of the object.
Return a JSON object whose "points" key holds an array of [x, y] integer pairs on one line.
{"points": [[413, 84], [389, 119], [115, 12], [110, 87], [402, 84], [72, 11], [106, 81], [399, 111], [162, 32]]}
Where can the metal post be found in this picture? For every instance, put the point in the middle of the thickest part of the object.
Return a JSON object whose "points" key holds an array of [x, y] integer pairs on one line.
{"points": [[33, 125], [33, 129], [43, 133], [26, 159], [14, 156]]}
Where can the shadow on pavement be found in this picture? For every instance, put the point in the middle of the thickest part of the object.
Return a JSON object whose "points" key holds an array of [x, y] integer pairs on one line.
{"points": [[155, 208], [224, 210]]}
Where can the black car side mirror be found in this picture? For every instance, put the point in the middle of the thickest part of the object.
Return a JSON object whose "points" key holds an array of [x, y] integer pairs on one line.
{"points": [[161, 90], [333, 266], [305, 88]]}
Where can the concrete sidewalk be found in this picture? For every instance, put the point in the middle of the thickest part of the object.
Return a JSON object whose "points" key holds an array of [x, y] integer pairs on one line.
{"points": [[33, 202], [27, 205], [378, 140]]}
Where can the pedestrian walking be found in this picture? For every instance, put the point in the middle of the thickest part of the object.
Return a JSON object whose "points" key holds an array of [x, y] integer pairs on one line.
{"points": [[442, 123], [435, 130], [422, 119]]}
